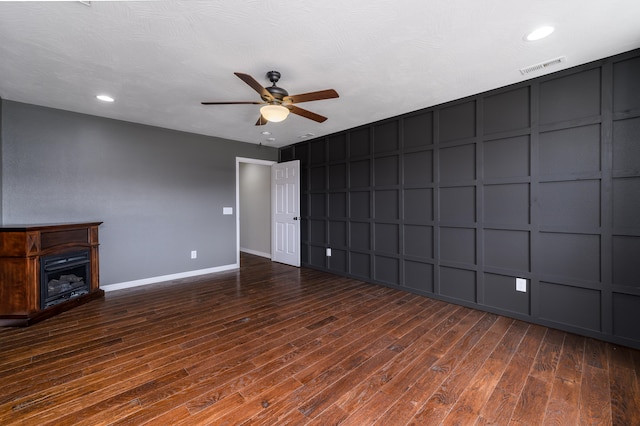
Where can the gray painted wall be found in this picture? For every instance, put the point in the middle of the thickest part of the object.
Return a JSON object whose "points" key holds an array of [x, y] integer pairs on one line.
{"points": [[539, 180], [160, 193], [255, 207]]}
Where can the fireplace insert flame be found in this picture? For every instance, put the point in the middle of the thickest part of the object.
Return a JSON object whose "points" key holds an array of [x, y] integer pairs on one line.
{"points": [[64, 277]]}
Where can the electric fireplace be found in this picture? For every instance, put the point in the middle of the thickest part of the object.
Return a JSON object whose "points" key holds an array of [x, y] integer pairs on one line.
{"points": [[64, 277], [47, 269]]}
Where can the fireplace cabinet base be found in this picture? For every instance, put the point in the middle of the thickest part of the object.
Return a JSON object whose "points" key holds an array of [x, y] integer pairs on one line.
{"points": [[21, 248]]}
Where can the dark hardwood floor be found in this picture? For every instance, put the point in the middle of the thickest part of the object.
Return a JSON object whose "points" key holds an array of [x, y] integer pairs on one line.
{"points": [[276, 345]]}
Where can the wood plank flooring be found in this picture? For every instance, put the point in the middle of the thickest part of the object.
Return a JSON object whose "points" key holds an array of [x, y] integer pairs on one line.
{"points": [[275, 345]]}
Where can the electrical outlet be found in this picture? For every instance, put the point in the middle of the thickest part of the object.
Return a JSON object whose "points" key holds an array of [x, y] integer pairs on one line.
{"points": [[521, 285], [194, 254], [328, 252]]}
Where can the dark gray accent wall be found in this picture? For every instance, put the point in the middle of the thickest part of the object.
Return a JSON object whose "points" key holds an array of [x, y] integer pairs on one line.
{"points": [[538, 180], [160, 193]]}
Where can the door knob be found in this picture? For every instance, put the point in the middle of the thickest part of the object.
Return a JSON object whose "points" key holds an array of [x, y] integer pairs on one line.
{"points": [[296, 218]]}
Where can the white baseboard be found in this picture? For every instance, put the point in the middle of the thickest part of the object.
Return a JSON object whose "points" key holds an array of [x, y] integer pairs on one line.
{"points": [[255, 252], [170, 277]]}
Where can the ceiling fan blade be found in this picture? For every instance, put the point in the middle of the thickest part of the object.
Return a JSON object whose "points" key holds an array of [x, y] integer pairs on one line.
{"points": [[261, 121], [307, 114], [255, 85], [311, 96], [233, 103]]}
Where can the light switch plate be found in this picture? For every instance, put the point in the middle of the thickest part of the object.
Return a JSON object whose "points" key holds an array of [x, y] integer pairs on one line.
{"points": [[521, 285], [227, 210]]}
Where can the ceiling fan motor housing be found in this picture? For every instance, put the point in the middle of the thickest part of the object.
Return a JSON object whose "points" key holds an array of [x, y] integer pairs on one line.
{"points": [[277, 92]]}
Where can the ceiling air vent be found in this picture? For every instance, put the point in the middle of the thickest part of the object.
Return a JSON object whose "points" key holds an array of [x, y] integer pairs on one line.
{"points": [[543, 65]]}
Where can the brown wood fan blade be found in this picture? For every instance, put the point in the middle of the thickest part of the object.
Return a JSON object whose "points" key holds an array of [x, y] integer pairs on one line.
{"points": [[311, 96], [264, 93], [233, 103], [307, 114], [261, 121]]}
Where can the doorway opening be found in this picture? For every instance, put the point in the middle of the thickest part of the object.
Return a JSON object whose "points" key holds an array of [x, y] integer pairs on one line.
{"points": [[253, 207]]}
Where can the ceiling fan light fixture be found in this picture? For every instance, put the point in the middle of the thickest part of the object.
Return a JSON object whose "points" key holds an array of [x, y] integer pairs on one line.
{"points": [[274, 113]]}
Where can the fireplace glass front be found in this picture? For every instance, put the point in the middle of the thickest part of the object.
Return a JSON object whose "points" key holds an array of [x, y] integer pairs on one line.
{"points": [[64, 277]]}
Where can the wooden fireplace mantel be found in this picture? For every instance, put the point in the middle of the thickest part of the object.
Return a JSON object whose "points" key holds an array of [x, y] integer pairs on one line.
{"points": [[21, 247]]}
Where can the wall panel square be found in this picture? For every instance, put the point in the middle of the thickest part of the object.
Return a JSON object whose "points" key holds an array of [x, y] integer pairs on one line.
{"points": [[318, 151], [626, 85], [458, 121], [386, 205], [338, 260], [458, 204], [626, 260], [387, 270], [318, 231], [337, 176], [418, 276], [506, 204], [626, 146], [500, 292], [359, 174], [574, 256], [572, 203], [418, 130], [458, 245], [458, 283], [576, 306], [507, 249], [360, 264], [318, 205], [505, 158], [385, 137], [418, 168], [337, 204], [418, 241], [359, 203], [385, 171], [625, 316], [360, 235], [507, 111], [301, 153], [317, 257], [359, 142], [418, 205], [458, 163], [387, 238], [626, 202], [570, 97], [337, 233], [570, 151], [318, 178], [337, 147]]}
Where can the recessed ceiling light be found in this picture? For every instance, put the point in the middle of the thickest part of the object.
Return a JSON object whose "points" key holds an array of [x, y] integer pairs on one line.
{"points": [[539, 33], [266, 133], [271, 139], [105, 98]]}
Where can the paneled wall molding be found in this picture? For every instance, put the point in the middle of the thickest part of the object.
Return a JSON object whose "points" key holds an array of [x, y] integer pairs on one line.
{"points": [[539, 180]]}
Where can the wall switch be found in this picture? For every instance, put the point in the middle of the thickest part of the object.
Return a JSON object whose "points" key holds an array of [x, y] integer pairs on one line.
{"points": [[521, 285], [194, 254], [328, 252], [227, 210]]}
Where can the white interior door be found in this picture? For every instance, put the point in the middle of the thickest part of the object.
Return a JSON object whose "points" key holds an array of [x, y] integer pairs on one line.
{"points": [[285, 196]]}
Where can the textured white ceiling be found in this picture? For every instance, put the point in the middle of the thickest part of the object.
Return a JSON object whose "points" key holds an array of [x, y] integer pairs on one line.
{"points": [[160, 59]]}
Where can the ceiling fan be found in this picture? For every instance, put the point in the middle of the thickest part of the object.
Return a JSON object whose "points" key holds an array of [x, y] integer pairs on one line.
{"points": [[277, 101]]}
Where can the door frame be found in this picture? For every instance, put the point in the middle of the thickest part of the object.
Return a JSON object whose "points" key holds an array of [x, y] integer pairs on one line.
{"points": [[250, 161]]}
